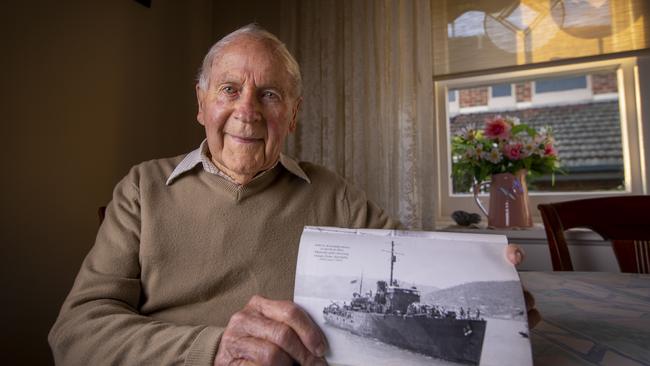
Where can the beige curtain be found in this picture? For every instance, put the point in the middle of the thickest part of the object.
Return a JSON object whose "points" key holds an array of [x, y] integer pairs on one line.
{"points": [[367, 111]]}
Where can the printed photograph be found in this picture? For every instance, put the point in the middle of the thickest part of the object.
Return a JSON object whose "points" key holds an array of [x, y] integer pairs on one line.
{"points": [[386, 297]]}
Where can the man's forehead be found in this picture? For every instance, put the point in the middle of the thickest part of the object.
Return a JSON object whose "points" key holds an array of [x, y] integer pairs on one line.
{"points": [[249, 58]]}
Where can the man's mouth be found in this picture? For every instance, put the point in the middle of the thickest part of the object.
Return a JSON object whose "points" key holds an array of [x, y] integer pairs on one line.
{"points": [[244, 139]]}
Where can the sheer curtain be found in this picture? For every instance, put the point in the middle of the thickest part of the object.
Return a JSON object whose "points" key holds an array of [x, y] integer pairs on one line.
{"points": [[367, 109]]}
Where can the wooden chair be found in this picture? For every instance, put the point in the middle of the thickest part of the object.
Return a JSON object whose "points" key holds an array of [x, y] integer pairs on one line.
{"points": [[624, 220]]}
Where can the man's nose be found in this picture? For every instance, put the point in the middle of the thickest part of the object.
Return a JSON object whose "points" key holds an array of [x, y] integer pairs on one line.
{"points": [[247, 108]]}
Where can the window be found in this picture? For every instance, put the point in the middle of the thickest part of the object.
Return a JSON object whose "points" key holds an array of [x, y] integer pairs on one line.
{"points": [[587, 129], [501, 90], [591, 108], [560, 84]]}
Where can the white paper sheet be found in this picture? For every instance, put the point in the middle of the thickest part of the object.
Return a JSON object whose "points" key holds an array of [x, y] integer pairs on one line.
{"points": [[470, 304]]}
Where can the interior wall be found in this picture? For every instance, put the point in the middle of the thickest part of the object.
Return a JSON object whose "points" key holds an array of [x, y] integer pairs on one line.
{"points": [[89, 88], [229, 15]]}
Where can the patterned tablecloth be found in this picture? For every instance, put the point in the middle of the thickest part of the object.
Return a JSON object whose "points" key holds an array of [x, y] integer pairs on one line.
{"points": [[590, 318]]}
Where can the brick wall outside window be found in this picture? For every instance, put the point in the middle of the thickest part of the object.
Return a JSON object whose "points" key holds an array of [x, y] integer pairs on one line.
{"points": [[523, 92], [604, 83], [473, 97]]}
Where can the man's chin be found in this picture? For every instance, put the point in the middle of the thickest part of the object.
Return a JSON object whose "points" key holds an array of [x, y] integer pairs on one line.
{"points": [[246, 168]]}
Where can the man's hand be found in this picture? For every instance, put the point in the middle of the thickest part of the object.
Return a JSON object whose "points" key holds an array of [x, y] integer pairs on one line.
{"points": [[516, 255], [268, 332]]}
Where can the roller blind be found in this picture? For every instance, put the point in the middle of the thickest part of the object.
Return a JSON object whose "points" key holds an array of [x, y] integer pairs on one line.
{"points": [[472, 35]]}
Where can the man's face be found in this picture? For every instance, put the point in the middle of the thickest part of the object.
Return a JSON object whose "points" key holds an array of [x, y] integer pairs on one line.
{"points": [[248, 109]]}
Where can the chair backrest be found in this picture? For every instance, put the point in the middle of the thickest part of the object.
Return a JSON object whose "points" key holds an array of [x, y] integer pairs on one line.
{"points": [[624, 220]]}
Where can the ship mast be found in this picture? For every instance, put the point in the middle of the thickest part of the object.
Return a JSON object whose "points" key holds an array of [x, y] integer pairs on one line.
{"points": [[392, 261], [361, 284]]}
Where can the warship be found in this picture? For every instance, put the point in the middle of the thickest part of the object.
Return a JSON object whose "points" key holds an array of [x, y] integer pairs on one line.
{"points": [[394, 315]]}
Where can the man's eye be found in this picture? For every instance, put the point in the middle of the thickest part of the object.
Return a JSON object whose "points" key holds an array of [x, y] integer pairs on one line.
{"points": [[229, 90], [270, 95]]}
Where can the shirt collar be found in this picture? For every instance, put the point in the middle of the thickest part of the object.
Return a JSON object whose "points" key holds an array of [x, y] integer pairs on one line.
{"points": [[200, 156]]}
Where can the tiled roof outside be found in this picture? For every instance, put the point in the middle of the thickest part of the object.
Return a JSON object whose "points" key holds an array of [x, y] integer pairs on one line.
{"points": [[588, 135]]}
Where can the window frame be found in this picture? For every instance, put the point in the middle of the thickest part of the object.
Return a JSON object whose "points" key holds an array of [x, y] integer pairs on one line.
{"points": [[631, 133]]}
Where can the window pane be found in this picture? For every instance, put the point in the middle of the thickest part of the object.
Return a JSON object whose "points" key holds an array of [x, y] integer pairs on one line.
{"points": [[452, 96], [502, 90], [585, 122], [560, 84]]}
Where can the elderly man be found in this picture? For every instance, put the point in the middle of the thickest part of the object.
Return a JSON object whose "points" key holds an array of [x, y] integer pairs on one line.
{"points": [[194, 247]]}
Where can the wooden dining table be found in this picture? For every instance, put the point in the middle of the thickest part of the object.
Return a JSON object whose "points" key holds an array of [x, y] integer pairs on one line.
{"points": [[590, 318]]}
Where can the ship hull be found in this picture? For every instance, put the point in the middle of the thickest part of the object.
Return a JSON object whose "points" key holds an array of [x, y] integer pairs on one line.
{"points": [[458, 340]]}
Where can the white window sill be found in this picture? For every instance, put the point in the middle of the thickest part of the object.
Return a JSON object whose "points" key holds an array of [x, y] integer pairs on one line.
{"points": [[535, 234], [589, 252]]}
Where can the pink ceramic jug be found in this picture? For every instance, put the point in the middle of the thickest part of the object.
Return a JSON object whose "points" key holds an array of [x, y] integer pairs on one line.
{"points": [[509, 206]]}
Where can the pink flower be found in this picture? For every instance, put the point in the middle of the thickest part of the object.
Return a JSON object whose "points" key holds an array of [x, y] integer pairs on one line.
{"points": [[497, 127], [549, 150], [512, 151]]}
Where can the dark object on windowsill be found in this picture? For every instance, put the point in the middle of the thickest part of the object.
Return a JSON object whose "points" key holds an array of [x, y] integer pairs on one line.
{"points": [[463, 218]]}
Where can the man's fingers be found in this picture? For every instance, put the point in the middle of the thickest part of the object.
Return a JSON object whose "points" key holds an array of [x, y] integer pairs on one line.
{"points": [[263, 352], [280, 334], [534, 317], [255, 324], [515, 254], [529, 299], [290, 314], [251, 351]]}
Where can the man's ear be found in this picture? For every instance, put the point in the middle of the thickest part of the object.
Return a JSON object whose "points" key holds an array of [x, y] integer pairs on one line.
{"points": [[294, 115], [200, 95]]}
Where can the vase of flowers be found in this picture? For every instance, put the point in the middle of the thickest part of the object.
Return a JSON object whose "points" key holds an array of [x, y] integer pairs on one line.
{"points": [[502, 155]]}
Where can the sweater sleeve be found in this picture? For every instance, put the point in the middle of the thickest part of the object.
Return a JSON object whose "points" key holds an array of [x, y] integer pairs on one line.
{"points": [[363, 213], [99, 322]]}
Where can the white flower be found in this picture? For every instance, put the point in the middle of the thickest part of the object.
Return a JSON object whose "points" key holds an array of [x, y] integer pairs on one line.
{"points": [[514, 120], [494, 156], [528, 146], [468, 132]]}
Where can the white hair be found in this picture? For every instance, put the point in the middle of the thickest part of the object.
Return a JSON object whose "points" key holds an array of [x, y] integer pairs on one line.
{"points": [[255, 31]]}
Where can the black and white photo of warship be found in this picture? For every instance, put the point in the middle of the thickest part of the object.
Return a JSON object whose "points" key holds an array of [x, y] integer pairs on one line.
{"points": [[394, 315]]}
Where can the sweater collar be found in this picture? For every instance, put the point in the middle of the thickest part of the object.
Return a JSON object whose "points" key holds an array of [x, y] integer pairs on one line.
{"points": [[199, 156]]}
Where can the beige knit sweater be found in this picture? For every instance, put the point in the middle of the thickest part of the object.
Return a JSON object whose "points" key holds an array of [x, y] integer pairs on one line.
{"points": [[171, 264]]}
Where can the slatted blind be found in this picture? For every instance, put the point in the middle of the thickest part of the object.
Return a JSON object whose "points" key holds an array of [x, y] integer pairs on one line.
{"points": [[472, 35]]}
